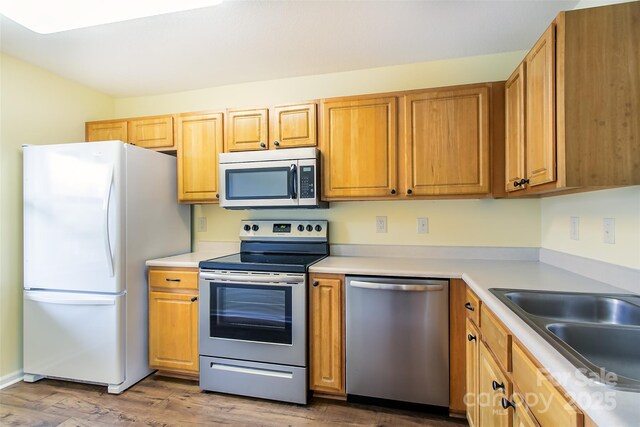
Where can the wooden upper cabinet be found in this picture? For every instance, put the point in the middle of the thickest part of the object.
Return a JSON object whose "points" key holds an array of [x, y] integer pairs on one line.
{"points": [[293, 126], [447, 142], [247, 130], [152, 132], [326, 334], [540, 113], [200, 140], [106, 130], [514, 129], [359, 147]]}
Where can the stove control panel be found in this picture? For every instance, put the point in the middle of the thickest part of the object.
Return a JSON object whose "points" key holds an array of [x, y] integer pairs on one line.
{"points": [[270, 230]]}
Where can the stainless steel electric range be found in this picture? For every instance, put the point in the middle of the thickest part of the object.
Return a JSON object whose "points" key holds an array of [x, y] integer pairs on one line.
{"points": [[253, 311]]}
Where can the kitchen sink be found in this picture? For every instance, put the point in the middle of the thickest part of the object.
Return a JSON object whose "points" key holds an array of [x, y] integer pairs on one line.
{"points": [[597, 333], [575, 307]]}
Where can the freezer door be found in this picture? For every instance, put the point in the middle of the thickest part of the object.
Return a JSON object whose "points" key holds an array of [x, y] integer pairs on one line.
{"points": [[72, 217], [74, 336]]}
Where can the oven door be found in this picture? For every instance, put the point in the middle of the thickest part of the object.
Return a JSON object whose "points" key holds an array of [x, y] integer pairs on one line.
{"points": [[253, 316], [259, 184]]}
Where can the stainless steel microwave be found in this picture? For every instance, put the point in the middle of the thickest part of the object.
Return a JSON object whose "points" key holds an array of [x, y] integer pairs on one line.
{"points": [[287, 178]]}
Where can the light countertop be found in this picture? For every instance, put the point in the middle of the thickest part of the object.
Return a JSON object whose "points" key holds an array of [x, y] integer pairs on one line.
{"points": [[604, 405], [205, 251]]}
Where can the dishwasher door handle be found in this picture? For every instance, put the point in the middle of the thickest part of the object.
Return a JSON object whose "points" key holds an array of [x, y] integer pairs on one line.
{"points": [[396, 286]]}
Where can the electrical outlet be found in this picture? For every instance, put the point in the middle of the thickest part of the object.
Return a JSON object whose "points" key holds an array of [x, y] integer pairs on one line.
{"points": [[381, 224], [201, 224], [423, 225], [609, 230], [574, 228]]}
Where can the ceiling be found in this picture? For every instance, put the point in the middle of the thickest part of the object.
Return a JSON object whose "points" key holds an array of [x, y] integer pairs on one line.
{"points": [[241, 41]]}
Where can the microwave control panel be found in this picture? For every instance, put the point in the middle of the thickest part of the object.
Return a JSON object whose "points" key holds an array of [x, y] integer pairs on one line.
{"points": [[307, 182]]}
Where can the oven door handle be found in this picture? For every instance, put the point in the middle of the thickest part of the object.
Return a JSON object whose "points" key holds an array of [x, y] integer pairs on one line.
{"points": [[241, 279]]}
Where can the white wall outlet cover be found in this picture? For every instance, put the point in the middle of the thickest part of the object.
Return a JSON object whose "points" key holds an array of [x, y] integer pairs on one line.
{"points": [[201, 224], [609, 230], [381, 224], [574, 228], [423, 225]]}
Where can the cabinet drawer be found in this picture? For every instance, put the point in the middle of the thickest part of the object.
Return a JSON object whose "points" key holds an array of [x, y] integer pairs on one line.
{"points": [[472, 307], [173, 279], [552, 408], [497, 337]]}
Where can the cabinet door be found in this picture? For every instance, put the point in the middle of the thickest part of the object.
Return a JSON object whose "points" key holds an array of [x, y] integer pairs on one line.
{"points": [[447, 142], [514, 129], [472, 339], [152, 132], [359, 148], [247, 130], [293, 126], [173, 331], [540, 110], [199, 143], [326, 335], [106, 131], [492, 388], [521, 415]]}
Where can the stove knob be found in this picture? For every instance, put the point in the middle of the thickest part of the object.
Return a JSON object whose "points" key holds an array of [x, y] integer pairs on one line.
{"points": [[247, 227], [301, 227], [318, 228], [309, 227], [255, 227]]}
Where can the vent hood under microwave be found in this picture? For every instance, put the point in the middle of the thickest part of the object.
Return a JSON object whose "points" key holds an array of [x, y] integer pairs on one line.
{"points": [[286, 178]]}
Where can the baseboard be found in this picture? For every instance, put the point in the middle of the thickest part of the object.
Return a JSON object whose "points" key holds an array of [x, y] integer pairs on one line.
{"points": [[11, 379]]}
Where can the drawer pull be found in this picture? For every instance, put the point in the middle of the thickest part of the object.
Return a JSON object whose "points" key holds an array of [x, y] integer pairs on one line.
{"points": [[471, 337], [506, 403], [194, 299], [172, 280], [495, 385], [469, 307], [315, 283]]}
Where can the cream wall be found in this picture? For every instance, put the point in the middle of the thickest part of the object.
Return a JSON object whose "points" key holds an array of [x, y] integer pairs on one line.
{"points": [[37, 107], [455, 222], [623, 204]]}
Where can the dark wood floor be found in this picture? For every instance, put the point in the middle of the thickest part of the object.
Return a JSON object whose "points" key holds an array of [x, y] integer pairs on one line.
{"points": [[160, 401]]}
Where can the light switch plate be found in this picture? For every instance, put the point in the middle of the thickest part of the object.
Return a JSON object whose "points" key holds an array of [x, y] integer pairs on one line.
{"points": [[201, 225], [423, 225]]}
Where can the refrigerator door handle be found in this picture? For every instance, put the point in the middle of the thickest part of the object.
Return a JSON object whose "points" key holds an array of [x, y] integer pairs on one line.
{"points": [[50, 299], [105, 212]]}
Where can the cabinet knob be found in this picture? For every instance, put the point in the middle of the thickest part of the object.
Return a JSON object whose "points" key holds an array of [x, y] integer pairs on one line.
{"points": [[194, 299], [495, 385], [471, 337], [315, 283], [506, 403], [409, 191], [263, 145], [469, 307], [217, 196], [276, 143], [393, 191]]}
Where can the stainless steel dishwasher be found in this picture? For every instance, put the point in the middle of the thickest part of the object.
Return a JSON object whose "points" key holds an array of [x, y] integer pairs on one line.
{"points": [[398, 339]]}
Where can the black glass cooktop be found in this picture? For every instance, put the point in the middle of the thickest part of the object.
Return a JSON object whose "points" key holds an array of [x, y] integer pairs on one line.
{"points": [[288, 263]]}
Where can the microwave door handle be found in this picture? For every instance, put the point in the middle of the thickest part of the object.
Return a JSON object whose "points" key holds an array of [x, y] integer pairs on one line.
{"points": [[293, 183]]}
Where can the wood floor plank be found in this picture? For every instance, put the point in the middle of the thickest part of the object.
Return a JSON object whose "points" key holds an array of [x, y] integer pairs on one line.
{"points": [[167, 402]]}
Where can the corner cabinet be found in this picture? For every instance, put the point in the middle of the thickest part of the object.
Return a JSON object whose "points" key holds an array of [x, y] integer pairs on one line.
{"points": [[173, 320], [447, 146], [327, 334], [200, 140], [578, 95], [359, 145], [286, 126]]}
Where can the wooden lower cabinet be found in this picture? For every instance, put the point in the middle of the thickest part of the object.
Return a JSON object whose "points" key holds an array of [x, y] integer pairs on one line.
{"points": [[473, 343], [327, 334], [173, 320], [521, 415], [493, 386]]}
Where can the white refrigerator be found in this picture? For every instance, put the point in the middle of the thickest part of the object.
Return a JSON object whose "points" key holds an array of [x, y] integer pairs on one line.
{"points": [[93, 214]]}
